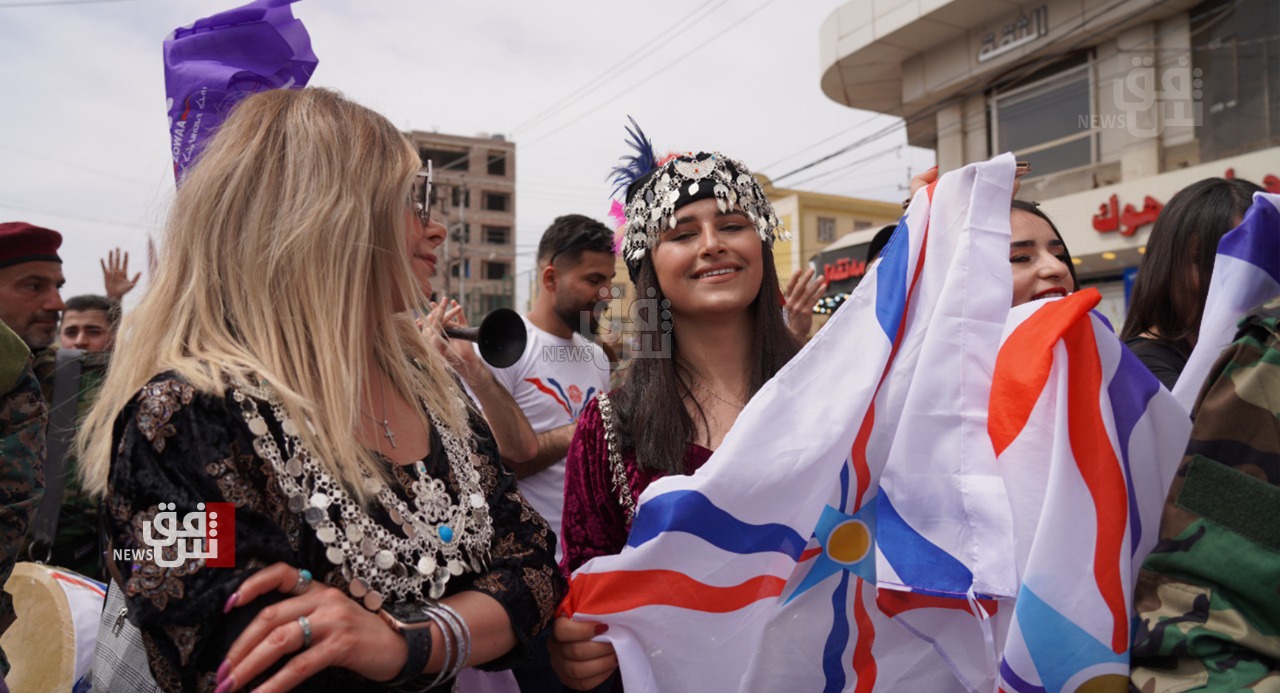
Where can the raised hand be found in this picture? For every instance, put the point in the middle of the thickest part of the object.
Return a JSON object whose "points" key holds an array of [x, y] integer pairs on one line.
{"points": [[115, 274]]}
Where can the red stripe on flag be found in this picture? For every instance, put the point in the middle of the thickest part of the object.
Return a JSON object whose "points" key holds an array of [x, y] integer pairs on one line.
{"points": [[864, 663], [858, 453], [1100, 469], [894, 602], [809, 553], [1023, 363], [623, 590]]}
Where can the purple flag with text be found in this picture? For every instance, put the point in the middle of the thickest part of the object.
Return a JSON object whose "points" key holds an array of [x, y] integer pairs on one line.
{"points": [[216, 61]]}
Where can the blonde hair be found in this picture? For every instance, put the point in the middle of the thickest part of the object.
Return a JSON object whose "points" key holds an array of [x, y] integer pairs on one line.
{"points": [[284, 255]]}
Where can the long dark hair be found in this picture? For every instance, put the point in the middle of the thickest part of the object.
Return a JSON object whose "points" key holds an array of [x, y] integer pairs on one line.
{"points": [[1173, 279], [650, 408], [1033, 208]]}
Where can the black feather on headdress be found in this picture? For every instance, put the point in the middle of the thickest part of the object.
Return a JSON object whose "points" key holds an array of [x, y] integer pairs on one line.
{"points": [[635, 166]]}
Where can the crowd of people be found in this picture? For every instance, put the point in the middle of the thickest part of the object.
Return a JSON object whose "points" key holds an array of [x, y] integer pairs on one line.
{"points": [[405, 512]]}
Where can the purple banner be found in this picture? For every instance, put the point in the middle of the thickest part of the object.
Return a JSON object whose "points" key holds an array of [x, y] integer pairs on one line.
{"points": [[212, 64]]}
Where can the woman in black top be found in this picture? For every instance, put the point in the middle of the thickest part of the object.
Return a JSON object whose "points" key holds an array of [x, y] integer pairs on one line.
{"points": [[272, 366], [1168, 296]]}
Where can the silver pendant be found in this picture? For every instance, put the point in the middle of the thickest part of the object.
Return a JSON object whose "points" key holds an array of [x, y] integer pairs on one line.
{"points": [[384, 559], [426, 565], [313, 516]]}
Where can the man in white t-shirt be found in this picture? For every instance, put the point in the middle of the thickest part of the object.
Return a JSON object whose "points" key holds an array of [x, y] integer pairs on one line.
{"points": [[561, 369]]}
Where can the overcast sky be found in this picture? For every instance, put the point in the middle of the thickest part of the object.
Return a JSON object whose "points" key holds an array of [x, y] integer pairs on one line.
{"points": [[83, 135]]}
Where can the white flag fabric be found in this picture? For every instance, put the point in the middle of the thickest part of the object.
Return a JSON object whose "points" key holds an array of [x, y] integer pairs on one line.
{"points": [[1089, 442], [919, 501], [757, 572], [1246, 272]]}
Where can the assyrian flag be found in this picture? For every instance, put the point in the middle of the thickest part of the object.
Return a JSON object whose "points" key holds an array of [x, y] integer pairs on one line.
{"points": [[757, 573], [1088, 442], [1246, 272]]}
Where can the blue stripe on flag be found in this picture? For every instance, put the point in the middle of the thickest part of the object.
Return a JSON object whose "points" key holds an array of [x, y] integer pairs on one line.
{"points": [[1256, 240], [1130, 390], [844, 486], [693, 513], [891, 280], [837, 639], [1058, 647], [920, 563], [1016, 682]]}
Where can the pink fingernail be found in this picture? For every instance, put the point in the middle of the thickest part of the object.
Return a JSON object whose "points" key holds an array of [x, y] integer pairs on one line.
{"points": [[223, 670], [601, 628], [226, 685], [231, 602]]}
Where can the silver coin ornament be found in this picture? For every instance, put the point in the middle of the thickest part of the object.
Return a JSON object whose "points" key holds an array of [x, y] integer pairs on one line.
{"points": [[438, 539]]}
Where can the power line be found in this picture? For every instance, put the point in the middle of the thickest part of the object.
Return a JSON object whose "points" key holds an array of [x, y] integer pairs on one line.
{"points": [[646, 48], [72, 164], [659, 71], [454, 165], [64, 215], [1017, 74]]}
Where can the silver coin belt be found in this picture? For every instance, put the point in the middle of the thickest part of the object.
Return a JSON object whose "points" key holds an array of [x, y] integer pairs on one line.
{"points": [[441, 539]]}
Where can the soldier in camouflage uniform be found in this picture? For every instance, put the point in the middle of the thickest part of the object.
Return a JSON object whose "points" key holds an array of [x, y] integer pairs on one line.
{"points": [[1208, 597], [22, 423]]}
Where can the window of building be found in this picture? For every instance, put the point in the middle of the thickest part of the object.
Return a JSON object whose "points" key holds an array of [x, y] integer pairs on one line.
{"points": [[826, 230], [1234, 49], [497, 163], [460, 233], [1046, 120], [497, 202], [497, 235], [444, 158], [862, 225], [460, 196], [494, 270], [461, 268], [492, 302]]}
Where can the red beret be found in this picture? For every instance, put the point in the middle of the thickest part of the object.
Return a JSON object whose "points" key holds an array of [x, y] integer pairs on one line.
{"points": [[23, 242]]}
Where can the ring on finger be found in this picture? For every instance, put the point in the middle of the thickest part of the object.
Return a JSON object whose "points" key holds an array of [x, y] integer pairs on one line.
{"points": [[306, 631], [304, 581]]}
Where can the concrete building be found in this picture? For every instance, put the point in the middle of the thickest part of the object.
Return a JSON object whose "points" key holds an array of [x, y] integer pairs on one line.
{"points": [[474, 196], [1117, 104], [815, 220]]}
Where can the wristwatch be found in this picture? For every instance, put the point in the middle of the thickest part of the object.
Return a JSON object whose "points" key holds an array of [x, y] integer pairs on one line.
{"points": [[414, 623]]}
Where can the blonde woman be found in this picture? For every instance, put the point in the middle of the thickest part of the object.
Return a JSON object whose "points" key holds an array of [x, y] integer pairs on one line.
{"points": [[274, 328]]}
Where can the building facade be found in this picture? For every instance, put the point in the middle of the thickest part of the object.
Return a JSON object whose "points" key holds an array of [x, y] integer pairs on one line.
{"points": [[474, 196], [1116, 104], [815, 221]]}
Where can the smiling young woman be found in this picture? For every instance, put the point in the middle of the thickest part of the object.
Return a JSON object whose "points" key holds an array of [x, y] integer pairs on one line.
{"points": [[1042, 267], [698, 245]]}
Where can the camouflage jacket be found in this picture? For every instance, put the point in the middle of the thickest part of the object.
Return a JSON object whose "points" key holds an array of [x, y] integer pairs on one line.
{"points": [[1208, 597], [76, 544], [22, 423]]}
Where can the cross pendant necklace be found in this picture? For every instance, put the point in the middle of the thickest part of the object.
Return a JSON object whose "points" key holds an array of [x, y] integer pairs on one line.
{"points": [[386, 431], [386, 426]]}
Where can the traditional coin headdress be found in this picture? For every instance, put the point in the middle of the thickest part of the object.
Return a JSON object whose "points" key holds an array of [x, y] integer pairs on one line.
{"points": [[655, 189]]}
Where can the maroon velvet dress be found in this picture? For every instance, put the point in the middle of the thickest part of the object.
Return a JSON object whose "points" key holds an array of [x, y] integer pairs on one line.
{"points": [[595, 523]]}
